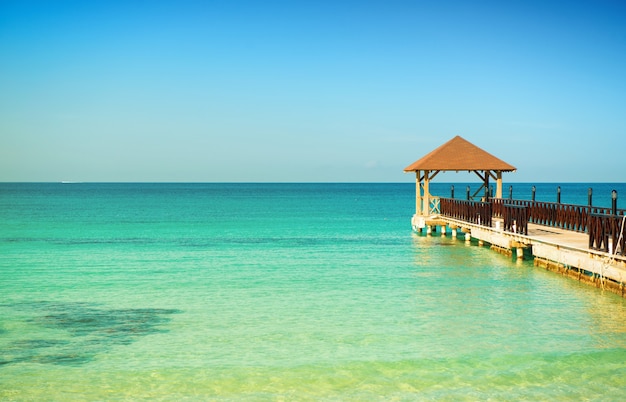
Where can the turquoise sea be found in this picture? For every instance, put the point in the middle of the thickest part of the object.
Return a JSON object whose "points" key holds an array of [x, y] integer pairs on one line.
{"points": [[285, 292]]}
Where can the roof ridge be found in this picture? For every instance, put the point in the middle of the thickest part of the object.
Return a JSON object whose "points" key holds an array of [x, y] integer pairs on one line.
{"points": [[459, 154]]}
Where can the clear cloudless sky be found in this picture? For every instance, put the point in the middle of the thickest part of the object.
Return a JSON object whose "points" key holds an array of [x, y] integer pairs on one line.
{"points": [[309, 90]]}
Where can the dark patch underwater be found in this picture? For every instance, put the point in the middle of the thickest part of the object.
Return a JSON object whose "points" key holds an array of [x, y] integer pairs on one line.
{"points": [[92, 330]]}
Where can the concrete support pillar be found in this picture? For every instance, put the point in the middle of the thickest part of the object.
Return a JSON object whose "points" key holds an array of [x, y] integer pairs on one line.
{"points": [[468, 237], [443, 230], [480, 243], [429, 229], [520, 253], [453, 233]]}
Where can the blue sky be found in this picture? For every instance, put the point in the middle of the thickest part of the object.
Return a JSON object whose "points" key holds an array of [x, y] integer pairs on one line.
{"points": [[308, 90]]}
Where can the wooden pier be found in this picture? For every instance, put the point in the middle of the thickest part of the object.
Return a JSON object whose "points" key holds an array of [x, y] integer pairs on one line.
{"points": [[563, 251], [585, 243]]}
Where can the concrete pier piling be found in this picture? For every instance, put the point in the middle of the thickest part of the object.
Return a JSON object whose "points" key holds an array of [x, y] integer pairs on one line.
{"points": [[558, 250]]}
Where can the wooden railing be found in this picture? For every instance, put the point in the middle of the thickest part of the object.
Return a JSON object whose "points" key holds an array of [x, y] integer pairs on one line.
{"points": [[607, 233], [515, 218], [435, 206], [557, 215], [469, 211]]}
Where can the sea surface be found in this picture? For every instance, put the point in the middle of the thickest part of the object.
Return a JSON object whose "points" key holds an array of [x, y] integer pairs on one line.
{"points": [[285, 292]]}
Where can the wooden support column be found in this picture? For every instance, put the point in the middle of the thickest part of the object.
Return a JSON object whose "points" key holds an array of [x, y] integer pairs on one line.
{"points": [[499, 184], [418, 201], [426, 192], [418, 193]]}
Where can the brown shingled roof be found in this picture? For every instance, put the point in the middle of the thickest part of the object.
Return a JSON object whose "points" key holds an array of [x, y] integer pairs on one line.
{"points": [[459, 154]]}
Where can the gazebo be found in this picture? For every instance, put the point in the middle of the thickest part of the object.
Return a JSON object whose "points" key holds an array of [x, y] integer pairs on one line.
{"points": [[456, 155]]}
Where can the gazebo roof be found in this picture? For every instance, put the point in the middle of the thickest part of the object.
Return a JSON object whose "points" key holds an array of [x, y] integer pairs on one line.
{"points": [[459, 154]]}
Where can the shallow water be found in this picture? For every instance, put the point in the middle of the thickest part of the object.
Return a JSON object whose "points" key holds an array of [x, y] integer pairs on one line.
{"points": [[281, 291]]}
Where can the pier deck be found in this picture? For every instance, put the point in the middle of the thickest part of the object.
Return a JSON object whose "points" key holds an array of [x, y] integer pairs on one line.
{"points": [[564, 251], [557, 236]]}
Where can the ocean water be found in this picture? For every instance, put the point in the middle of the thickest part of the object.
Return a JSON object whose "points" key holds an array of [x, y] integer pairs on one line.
{"points": [[570, 193], [285, 292]]}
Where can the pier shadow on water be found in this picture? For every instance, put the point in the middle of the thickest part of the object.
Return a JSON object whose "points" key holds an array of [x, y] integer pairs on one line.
{"points": [[84, 330]]}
